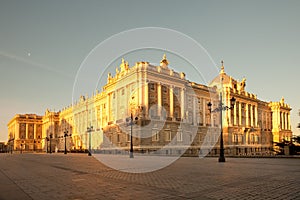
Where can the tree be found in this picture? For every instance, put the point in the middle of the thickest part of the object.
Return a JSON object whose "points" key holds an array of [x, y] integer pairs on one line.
{"points": [[296, 139], [293, 148], [281, 145]]}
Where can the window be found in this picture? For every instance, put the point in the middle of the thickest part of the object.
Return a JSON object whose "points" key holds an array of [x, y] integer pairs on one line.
{"points": [[179, 135], [168, 135], [165, 89], [176, 92], [252, 138], [200, 137], [256, 139], [215, 121], [118, 138], [155, 135], [152, 86], [234, 138]]}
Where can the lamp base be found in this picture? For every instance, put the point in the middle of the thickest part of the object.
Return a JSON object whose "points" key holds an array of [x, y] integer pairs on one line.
{"points": [[131, 155], [221, 159]]}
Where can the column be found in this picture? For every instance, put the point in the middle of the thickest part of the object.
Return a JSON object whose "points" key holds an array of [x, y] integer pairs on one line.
{"points": [[116, 105], [146, 100], [234, 114], [26, 131], [267, 123], [289, 120], [240, 113], [194, 110], [101, 117], [251, 115], [107, 108], [247, 137], [204, 112], [182, 96], [44, 134], [256, 116], [127, 97], [229, 113], [87, 115], [171, 102], [96, 117], [34, 132], [285, 121], [17, 131], [247, 115], [281, 122], [140, 91], [159, 99]]}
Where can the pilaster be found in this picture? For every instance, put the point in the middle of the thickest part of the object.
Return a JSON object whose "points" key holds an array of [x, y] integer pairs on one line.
{"points": [[159, 100], [171, 102]]}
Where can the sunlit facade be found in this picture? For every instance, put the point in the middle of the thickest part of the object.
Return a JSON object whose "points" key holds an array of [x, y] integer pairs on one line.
{"points": [[170, 115]]}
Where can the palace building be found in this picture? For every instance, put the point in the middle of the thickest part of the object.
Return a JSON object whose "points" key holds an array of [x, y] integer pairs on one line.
{"points": [[163, 112]]}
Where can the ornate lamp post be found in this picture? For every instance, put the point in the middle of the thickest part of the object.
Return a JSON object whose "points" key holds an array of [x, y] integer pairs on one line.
{"points": [[89, 130], [50, 142], [65, 136], [220, 109], [34, 145], [130, 120]]}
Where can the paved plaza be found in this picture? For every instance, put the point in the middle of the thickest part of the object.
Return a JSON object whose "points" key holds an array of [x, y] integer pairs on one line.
{"points": [[78, 176]]}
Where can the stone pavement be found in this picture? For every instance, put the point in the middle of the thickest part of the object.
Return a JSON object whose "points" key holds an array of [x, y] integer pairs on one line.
{"points": [[78, 176]]}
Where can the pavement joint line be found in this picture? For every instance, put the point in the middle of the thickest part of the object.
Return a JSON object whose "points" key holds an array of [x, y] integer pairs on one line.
{"points": [[15, 184]]}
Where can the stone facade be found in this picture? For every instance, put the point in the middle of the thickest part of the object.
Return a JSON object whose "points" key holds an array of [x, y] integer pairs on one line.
{"points": [[170, 116], [25, 132]]}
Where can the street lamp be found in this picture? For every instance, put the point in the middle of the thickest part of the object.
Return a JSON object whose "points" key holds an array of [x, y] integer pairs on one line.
{"points": [[89, 130], [34, 145], [130, 120], [220, 109], [50, 142], [65, 136], [21, 148]]}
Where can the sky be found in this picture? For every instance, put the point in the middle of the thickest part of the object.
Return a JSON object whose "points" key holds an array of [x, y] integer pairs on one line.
{"points": [[43, 43]]}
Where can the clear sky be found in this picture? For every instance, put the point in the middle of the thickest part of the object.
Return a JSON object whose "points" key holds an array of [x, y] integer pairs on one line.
{"points": [[42, 44]]}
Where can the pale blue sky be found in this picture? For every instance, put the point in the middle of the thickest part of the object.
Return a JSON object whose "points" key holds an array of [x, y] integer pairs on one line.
{"points": [[258, 40]]}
